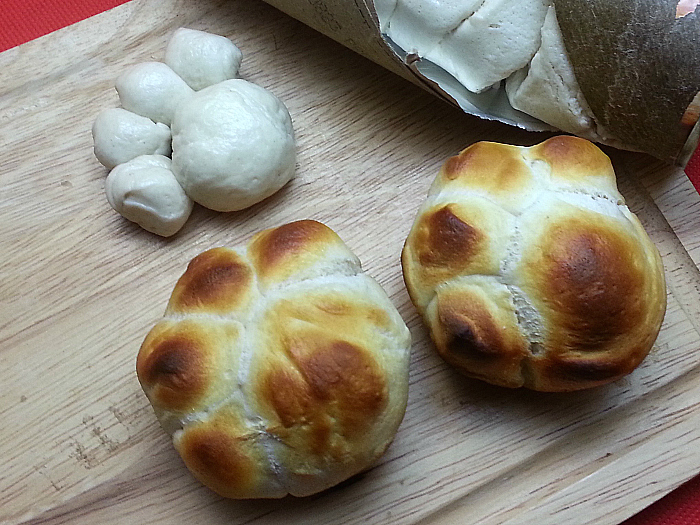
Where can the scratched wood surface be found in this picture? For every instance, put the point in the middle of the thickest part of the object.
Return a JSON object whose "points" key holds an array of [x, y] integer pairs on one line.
{"points": [[80, 287]]}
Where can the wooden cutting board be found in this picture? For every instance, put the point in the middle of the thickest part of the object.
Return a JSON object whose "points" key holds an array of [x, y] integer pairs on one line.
{"points": [[80, 287]]}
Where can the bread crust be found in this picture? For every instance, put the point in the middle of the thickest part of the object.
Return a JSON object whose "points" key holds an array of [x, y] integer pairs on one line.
{"points": [[279, 367], [530, 270]]}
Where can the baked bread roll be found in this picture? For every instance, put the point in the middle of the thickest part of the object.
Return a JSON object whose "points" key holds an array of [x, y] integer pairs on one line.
{"points": [[278, 368], [530, 270]]}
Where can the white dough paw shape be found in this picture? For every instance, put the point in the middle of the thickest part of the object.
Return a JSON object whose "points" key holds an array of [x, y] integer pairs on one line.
{"points": [[231, 141]]}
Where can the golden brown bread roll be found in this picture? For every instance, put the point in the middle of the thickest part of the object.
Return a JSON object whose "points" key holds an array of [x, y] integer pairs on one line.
{"points": [[279, 368], [530, 270]]}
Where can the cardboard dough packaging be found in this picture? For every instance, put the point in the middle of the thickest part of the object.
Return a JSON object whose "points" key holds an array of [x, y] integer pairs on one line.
{"points": [[625, 74]]}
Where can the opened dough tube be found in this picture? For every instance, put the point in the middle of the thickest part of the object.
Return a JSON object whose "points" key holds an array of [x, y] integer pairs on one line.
{"points": [[625, 74]]}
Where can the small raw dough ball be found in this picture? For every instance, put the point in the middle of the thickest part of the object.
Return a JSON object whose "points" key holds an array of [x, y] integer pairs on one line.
{"points": [[280, 367], [152, 90], [233, 145], [202, 59], [547, 89], [479, 42], [120, 135], [145, 191]]}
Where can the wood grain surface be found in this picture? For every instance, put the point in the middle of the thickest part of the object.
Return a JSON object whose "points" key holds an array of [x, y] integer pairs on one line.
{"points": [[80, 287]]}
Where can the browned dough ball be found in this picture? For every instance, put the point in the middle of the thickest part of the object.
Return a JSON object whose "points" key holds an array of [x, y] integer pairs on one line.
{"points": [[530, 270], [279, 367]]}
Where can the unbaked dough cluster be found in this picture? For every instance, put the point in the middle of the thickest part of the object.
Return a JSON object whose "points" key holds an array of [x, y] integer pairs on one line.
{"points": [[189, 130], [488, 45]]}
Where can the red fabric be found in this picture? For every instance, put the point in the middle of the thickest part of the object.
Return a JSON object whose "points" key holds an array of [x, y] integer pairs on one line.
{"points": [[692, 170], [680, 507], [24, 20]]}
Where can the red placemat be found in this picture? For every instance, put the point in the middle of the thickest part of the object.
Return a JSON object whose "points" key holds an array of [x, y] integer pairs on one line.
{"points": [[693, 172], [24, 20], [680, 507]]}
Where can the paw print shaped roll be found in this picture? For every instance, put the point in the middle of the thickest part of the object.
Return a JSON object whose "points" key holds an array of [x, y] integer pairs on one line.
{"points": [[529, 269], [279, 367], [232, 142]]}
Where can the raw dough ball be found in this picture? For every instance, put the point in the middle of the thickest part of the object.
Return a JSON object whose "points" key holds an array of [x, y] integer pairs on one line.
{"points": [[547, 89], [202, 59], [419, 26], [233, 145], [152, 90], [279, 367], [529, 269], [479, 42], [145, 191], [120, 135]]}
